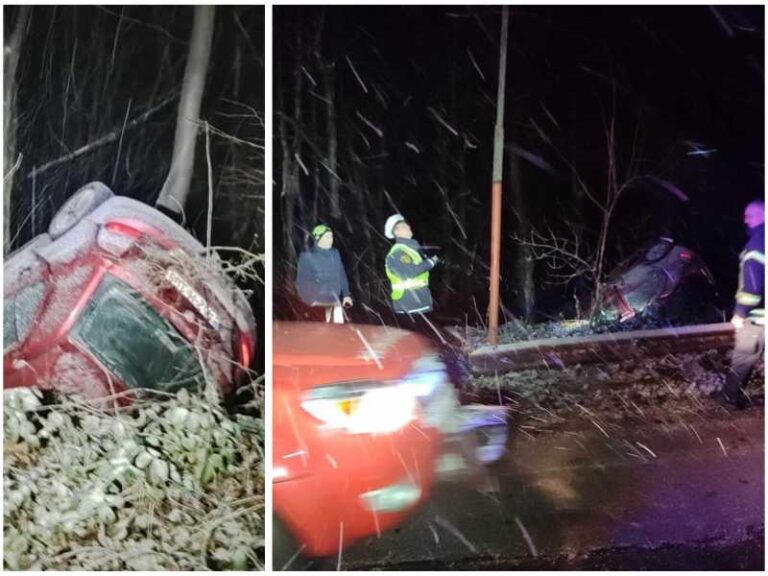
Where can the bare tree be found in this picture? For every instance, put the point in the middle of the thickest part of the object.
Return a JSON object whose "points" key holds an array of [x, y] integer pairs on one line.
{"points": [[524, 261], [11, 163], [173, 195], [330, 101], [291, 147], [569, 256]]}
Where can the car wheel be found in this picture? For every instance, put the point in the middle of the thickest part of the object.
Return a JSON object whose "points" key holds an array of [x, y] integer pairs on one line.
{"points": [[658, 251], [77, 207], [286, 551]]}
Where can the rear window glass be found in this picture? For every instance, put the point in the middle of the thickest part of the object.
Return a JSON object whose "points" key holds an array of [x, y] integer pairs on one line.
{"points": [[19, 313], [137, 344]]}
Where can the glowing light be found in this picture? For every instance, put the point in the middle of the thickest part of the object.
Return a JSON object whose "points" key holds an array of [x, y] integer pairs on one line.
{"points": [[245, 351], [378, 410]]}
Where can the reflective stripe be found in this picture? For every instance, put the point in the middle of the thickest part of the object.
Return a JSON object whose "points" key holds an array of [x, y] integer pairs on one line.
{"points": [[747, 299], [400, 285], [410, 283], [758, 312], [754, 255], [744, 298], [415, 311]]}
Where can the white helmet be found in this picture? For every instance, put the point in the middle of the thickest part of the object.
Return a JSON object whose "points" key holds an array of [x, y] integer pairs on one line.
{"points": [[392, 221]]}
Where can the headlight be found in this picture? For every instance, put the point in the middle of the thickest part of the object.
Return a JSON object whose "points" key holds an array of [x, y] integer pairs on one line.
{"points": [[380, 407], [362, 408]]}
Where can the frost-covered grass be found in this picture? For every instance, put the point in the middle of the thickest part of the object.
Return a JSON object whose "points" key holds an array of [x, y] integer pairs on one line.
{"points": [[171, 485], [517, 331], [657, 387]]}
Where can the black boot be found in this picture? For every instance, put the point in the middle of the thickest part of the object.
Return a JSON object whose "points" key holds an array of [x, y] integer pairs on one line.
{"points": [[736, 400]]}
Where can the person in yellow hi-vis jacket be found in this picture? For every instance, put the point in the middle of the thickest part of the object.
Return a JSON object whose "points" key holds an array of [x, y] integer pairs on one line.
{"points": [[749, 313], [408, 270]]}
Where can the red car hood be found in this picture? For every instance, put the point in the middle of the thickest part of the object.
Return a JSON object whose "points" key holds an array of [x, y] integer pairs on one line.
{"points": [[326, 352]]}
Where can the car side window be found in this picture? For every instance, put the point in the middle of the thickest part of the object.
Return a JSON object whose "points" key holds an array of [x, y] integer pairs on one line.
{"points": [[137, 344], [19, 313]]}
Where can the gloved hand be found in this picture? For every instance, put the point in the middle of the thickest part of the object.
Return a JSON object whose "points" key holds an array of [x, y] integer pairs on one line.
{"points": [[434, 260]]}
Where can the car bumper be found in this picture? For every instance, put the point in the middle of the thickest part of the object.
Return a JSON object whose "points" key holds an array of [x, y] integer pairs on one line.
{"points": [[350, 495]]}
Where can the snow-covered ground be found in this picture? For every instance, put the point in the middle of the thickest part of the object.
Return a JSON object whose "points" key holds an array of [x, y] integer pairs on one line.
{"points": [[662, 386], [174, 485]]}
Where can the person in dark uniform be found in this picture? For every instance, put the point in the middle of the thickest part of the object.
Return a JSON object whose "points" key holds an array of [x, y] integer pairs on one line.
{"points": [[749, 313], [321, 280], [408, 270]]}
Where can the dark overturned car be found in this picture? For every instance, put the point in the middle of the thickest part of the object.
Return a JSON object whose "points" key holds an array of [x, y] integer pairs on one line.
{"points": [[116, 299], [664, 281]]}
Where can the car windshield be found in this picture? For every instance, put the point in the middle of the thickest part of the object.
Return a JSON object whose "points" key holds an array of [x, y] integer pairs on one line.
{"points": [[137, 344], [19, 312]]}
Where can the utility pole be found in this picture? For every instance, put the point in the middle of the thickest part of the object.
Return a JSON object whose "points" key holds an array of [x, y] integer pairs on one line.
{"points": [[498, 163]]}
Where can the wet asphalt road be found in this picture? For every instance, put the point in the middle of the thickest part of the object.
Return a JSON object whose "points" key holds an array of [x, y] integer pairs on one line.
{"points": [[644, 495]]}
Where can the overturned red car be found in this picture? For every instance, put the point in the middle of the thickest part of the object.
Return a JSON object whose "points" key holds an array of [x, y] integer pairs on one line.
{"points": [[117, 298], [659, 279]]}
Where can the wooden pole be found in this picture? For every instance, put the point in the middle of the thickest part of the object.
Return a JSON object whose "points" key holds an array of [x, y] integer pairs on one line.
{"points": [[498, 163]]}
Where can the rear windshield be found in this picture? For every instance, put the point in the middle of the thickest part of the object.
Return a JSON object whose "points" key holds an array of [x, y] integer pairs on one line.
{"points": [[137, 344], [19, 312]]}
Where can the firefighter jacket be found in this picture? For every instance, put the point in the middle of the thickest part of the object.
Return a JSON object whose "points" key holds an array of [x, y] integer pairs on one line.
{"points": [[320, 277], [750, 297], [408, 273]]}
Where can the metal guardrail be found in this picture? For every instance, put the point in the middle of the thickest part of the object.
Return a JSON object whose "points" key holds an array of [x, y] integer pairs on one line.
{"points": [[559, 353]]}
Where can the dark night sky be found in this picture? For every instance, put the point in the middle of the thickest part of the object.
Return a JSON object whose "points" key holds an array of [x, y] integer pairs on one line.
{"points": [[681, 75], [83, 67]]}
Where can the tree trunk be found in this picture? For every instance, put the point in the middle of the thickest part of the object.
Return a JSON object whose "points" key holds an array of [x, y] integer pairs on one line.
{"points": [[12, 50], [329, 84], [524, 263], [291, 149], [174, 194], [577, 194], [286, 177], [611, 197]]}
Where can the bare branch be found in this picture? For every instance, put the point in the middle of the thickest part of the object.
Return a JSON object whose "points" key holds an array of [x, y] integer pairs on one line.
{"points": [[106, 139]]}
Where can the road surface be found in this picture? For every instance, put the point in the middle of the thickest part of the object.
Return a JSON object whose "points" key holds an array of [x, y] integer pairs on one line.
{"points": [[595, 494]]}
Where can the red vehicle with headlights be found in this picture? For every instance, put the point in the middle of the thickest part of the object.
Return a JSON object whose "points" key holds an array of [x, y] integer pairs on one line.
{"points": [[359, 415], [115, 298]]}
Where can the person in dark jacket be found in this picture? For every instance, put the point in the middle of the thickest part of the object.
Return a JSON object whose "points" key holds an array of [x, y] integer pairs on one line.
{"points": [[749, 313], [320, 277]]}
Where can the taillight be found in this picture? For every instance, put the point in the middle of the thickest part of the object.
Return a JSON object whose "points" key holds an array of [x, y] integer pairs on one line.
{"points": [[122, 228], [244, 350]]}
